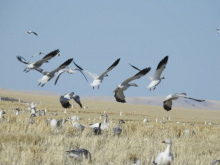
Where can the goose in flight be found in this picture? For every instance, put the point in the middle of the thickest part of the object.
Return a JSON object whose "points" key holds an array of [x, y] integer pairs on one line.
{"points": [[68, 70], [34, 65], [167, 103], [165, 158], [97, 79], [29, 32], [119, 91], [218, 31], [64, 99], [49, 75], [157, 75]]}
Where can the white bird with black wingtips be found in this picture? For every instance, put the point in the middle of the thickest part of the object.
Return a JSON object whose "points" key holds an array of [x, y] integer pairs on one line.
{"points": [[218, 31], [97, 79], [49, 75], [32, 32], [119, 91], [70, 71], [167, 103], [157, 75], [37, 64], [64, 99]]}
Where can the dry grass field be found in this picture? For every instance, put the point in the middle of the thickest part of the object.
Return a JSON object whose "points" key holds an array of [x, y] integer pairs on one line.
{"points": [[22, 143]]}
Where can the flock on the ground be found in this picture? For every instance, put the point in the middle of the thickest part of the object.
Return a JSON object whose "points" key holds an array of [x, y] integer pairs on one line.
{"points": [[164, 158]]}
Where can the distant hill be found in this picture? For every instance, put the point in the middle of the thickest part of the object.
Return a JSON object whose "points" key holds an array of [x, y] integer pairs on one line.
{"points": [[158, 101]]}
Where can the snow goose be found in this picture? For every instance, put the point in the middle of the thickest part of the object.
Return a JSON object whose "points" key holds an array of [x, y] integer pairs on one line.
{"points": [[216, 162], [64, 99], [167, 103], [49, 75], [68, 70], [118, 130], [53, 123], [61, 122], [104, 125], [37, 64], [97, 130], [119, 91], [157, 75], [32, 32], [165, 158], [78, 154], [218, 31], [97, 79], [75, 123]]}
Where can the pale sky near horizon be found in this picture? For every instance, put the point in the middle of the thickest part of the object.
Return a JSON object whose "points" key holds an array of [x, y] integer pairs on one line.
{"points": [[96, 33]]}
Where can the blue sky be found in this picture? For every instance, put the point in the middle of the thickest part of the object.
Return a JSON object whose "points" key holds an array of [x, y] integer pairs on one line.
{"points": [[96, 33]]}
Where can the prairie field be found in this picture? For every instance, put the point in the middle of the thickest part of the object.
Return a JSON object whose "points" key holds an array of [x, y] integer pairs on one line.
{"points": [[22, 143]]}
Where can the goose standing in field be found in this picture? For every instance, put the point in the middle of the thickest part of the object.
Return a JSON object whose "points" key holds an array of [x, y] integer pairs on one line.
{"points": [[64, 99], [49, 75], [17, 111], [216, 162], [97, 130], [157, 75], [53, 123], [32, 118], [97, 79], [104, 125], [35, 65], [75, 123], [61, 122], [32, 32], [118, 130], [165, 158], [2, 115], [167, 103], [78, 154], [119, 91]]}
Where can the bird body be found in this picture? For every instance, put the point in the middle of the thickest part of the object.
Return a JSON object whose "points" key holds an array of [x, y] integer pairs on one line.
{"points": [[97, 130], [167, 103], [49, 75], [119, 91], [104, 125], [32, 32], [64, 100], [118, 130], [37, 64], [97, 79], [165, 158]]}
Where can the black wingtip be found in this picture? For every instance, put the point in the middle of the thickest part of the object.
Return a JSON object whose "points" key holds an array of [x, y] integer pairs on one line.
{"points": [[78, 66], [135, 67]]}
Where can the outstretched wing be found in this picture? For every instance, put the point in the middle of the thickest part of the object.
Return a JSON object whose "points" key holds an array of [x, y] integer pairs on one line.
{"points": [[41, 71], [76, 98], [119, 96], [21, 59], [47, 57], [187, 97], [94, 76], [161, 66], [64, 102], [138, 75], [167, 105], [62, 66], [140, 70], [110, 68], [58, 75]]}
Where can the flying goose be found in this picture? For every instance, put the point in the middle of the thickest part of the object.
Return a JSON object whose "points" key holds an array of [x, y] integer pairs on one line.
{"points": [[64, 99], [118, 130], [218, 31], [157, 75], [30, 32], [68, 70], [119, 91], [167, 103], [49, 75], [35, 65], [165, 158], [97, 79]]}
